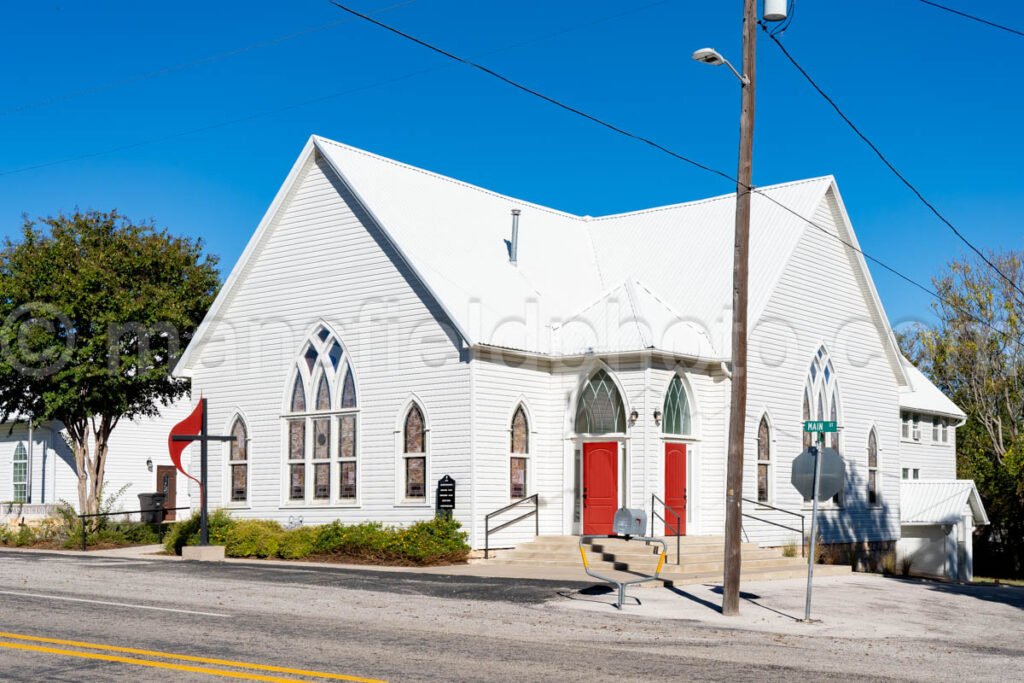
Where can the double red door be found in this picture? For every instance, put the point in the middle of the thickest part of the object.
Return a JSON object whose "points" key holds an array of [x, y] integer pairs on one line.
{"points": [[600, 486]]}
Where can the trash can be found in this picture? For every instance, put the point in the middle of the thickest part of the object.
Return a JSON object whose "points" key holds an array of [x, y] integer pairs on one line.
{"points": [[152, 505]]}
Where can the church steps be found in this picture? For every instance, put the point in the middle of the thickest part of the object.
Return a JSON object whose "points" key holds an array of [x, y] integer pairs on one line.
{"points": [[701, 558]]}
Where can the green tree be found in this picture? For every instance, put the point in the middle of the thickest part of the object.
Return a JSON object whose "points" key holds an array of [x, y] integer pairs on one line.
{"points": [[95, 311], [975, 353]]}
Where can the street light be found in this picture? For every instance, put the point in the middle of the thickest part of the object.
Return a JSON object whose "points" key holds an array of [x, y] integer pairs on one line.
{"points": [[708, 55]]}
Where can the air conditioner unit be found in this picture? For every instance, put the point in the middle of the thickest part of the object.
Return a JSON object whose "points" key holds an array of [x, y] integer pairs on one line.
{"points": [[917, 434]]}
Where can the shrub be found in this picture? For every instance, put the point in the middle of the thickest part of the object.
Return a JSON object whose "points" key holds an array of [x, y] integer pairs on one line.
{"points": [[369, 540], [889, 564], [297, 544], [253, 538], [433, 542], [789, 550], [186, 532]]}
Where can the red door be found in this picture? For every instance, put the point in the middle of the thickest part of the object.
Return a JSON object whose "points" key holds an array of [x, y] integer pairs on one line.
{"points": [[600, 486], [675, 489]]}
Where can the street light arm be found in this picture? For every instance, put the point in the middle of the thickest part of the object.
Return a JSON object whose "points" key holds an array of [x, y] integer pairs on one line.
{"points": [[743, 79]]}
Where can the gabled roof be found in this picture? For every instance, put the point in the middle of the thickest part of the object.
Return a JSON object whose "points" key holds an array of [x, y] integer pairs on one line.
{"points": [[939, 501], [630, 317], [452, 235], [923, 396]]}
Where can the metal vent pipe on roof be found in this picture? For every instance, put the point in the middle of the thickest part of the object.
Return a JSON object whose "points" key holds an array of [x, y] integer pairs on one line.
{"points": [[513, 246]]}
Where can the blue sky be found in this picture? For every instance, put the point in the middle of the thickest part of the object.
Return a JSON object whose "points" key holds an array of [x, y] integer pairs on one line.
{"points": [[191, 113]]}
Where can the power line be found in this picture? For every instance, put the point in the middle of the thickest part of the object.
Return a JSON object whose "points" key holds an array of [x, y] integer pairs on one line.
{"points": [[322, 98], [531, 91], [965, 15], [181, 66], [889, 164], [672, 153]]}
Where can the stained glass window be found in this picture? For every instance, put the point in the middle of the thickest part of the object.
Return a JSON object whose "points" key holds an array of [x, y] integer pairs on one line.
{"points": [[520, 432], [348, 391], [297, 440], [807, 416], [310, 357], [872, 468], [322, 448], [763, 459], [414, 432], [348, 479], [298, 396], [415, 477], [347, 444], [600, 409], [675, 415], [518, 478], [20, 474], [323, 394], [321, 438], [821, 399], [238, 461]]}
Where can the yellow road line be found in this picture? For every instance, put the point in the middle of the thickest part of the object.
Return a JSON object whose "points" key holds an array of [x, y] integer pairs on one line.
{"points": [[170, 655]]}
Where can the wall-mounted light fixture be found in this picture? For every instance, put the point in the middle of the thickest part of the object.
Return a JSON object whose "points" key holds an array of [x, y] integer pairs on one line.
{"points": [[633, 417], [657, 418], [149, 464]]}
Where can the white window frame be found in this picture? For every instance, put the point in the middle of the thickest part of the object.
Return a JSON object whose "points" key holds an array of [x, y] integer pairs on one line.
{"points": [[905, 426], [229, 465], [528, 483], [828, 394], [17, 481], [877, 469], [401, 469], [915, 420], [334, 415], [769, 463]]}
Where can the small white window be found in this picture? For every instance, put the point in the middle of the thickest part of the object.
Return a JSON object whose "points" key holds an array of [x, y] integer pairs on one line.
{"points": [[917, 473], [414, 455], [906, 473], [905, 419], [519, 454], [936, 425], [916, 431], [945, 431], [20, 474]]}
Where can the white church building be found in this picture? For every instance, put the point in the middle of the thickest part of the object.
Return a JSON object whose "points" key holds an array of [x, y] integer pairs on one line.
{"points": [[387, 326]]}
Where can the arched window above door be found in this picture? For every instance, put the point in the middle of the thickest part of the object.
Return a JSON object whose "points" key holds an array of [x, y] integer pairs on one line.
{"points": [[600, 409], [676, 411]]}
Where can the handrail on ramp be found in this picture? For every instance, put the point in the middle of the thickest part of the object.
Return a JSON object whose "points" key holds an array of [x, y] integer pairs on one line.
{"points": [[621, 585]]}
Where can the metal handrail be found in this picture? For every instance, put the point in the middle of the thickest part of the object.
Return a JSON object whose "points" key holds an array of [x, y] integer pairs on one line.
{"points": [[535, 512], [679, 522], [803, 541], [163, 512]]}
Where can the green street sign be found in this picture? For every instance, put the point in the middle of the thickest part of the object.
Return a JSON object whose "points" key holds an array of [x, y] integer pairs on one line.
{"points": [[820, 426]]}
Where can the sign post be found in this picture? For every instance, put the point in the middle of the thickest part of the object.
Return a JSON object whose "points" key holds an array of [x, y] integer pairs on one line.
{"points": [[816, 487]]}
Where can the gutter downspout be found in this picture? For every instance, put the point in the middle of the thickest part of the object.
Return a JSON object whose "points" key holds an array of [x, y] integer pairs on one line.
{"points": [[31, 462]]}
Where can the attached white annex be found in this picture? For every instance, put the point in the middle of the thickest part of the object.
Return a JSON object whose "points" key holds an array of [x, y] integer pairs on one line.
{"points": [[37, 466], [387, 326]]}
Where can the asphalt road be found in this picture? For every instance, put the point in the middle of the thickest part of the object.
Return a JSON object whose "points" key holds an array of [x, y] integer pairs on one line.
{"points": [[176, 621]]}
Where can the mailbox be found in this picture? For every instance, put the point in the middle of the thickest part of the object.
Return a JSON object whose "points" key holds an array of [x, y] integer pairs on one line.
{"points": [[629, 522]]}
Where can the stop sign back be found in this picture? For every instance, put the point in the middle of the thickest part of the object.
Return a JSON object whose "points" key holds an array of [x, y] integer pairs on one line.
{"points": [[833, 473]]}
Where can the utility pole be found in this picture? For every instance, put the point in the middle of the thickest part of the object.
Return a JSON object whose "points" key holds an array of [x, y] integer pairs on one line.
{"points": [[741, 273]]}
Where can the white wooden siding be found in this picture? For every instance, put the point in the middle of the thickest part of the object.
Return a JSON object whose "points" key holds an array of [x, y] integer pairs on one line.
{"points": [[323, 259], [820, 299]]}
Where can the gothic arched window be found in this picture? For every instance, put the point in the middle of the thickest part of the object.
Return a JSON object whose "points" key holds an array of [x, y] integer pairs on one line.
{"points": [[822, 390], [329, 458], [764, 460], [414, 455], [520, 453], [675, 415], [599, 409]]}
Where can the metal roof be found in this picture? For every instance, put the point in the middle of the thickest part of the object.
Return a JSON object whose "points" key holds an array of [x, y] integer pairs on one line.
{"points": [[925, 397], [939, 501], [454, 234]]}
